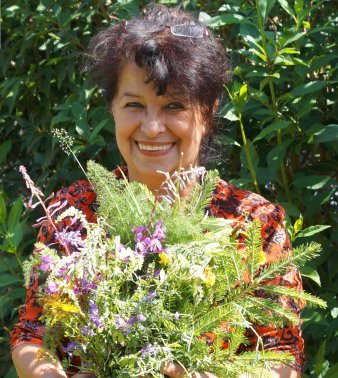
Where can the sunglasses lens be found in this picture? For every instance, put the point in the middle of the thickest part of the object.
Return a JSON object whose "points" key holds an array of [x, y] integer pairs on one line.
{"points": [[192, 31]]}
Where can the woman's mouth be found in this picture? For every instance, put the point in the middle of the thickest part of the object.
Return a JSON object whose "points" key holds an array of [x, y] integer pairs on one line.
{"points": [[154, 149]]}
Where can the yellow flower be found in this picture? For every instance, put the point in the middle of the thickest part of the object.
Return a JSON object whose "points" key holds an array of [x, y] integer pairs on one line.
{"points": [[163, 258], [262, 258], [209, 277]]}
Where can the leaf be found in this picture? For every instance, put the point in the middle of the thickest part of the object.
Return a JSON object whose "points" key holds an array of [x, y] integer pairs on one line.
{"points": [[11, 373], [334, 313], [310, 272], [15, 214], [328, 134], [285, 5], [262, 4], [311, 182], [320, 359], [312, 230], [297, 227], [280, 125], [288, 50], [276, 155], [332, 372], [293, 38], [243, 93], [299, 5], [9, 280], [312, 86], [226, 19], [3, 210], [253, 41], [231, 115], [98, 128], [4, 150]]}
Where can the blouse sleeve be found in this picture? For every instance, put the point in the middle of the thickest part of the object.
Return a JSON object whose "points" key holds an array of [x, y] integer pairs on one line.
{"points": [[29, 329], [276, 244], [232, 203]]}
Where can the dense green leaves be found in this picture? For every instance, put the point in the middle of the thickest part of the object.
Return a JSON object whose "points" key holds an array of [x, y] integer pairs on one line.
{"points": [[277, 132]]}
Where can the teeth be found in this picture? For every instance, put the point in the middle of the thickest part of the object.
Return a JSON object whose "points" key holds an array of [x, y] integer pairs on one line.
{"points": [[154, 148]]}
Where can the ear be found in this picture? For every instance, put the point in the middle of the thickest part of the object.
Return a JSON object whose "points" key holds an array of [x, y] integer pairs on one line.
{"points": [[206, 128]]}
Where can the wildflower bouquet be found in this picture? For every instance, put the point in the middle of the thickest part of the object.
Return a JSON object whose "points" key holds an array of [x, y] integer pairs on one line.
{"points": [[154, 278]]}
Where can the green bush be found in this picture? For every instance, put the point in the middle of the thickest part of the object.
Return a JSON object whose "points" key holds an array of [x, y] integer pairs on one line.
{"points": [[277, 130]]}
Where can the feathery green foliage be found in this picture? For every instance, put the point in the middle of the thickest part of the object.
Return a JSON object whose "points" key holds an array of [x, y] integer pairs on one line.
{"points": [[127, 310], [125, 205]]}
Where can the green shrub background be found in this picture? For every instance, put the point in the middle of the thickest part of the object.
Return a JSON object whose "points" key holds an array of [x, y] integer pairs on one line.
{"points": [[277, 132]]}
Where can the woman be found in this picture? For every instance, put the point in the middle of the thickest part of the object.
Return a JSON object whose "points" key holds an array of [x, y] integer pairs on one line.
{"points": [[162, 76]]}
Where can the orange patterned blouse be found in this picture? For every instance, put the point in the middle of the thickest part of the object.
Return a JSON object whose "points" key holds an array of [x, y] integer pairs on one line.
{"points": [[227, 202]]}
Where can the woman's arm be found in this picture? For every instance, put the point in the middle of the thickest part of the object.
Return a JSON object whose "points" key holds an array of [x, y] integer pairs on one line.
{"points": [[24, 358]]}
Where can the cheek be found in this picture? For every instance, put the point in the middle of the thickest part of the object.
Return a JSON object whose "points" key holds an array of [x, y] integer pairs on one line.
{"points": [[125, 126]]}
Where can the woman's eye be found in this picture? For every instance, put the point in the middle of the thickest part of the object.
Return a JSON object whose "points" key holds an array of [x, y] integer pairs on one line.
{"points": [[175, 105], [133, 105]]}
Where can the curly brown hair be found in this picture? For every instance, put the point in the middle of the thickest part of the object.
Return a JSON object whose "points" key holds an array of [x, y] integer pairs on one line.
{"points": [[196, 68]]}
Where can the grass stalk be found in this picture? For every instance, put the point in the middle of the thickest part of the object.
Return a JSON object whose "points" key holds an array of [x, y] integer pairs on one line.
{"points": [[248, 155]]}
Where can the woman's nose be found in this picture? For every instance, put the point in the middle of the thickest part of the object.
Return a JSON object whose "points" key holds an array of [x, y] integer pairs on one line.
{"points": [[152, 124]]}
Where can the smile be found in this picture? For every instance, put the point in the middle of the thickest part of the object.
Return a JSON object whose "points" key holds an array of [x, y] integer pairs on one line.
{"points": [[160, 147]]}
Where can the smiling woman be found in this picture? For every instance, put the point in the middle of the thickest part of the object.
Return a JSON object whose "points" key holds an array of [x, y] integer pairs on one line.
{"points": [[154, 133], [163, 75]]}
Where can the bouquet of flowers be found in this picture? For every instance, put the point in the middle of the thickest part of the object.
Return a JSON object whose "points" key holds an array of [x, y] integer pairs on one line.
{"points": [[157, 280]]}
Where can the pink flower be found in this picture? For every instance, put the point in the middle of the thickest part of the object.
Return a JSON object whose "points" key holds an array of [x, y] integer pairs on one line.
{"points": [[47, 263], [52, 288]]}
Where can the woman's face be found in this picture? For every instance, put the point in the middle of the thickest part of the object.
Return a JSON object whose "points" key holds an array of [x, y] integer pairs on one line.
{"points": [[153, 131]]}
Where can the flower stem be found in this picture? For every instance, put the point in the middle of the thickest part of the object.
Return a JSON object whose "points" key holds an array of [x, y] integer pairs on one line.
{"points": [[248, 155]]}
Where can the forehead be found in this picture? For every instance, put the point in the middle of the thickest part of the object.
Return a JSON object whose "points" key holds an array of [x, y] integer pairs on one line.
{"points": [[134, 78]]}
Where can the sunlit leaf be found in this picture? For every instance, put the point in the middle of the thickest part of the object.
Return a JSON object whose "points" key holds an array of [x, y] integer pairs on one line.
{"points": [[312, 230]]}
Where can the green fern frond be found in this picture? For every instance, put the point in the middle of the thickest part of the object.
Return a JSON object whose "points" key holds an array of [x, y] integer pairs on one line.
{"points": [[299, 256], [268, 311], [254, 247], [296, 294]]}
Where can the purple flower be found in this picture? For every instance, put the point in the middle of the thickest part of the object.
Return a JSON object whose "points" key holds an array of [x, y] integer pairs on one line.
{"points": [[141, 318], [84, 286], [87, 331], [150, 296], [52, 288], [120, 322], [138, 318], [159, 231], [47, 263], [176, 315], [71, 238], [146, 242], [149, 350], [70, 348], [94, 316], [155, 246], [139, 232], [67, 262]]}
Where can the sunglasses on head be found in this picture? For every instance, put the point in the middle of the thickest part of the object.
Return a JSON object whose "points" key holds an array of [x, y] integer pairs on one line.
{"points": [[183, 30]]}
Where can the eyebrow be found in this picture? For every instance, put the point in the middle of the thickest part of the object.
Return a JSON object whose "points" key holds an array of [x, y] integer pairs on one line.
{"points": [[129, 94]]}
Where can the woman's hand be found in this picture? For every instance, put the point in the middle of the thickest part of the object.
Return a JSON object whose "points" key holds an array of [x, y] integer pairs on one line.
{"points": [[175, 370]]}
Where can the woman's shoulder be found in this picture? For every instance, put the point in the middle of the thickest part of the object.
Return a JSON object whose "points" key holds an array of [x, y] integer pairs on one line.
{"points": [[228, 201], [80, 194]]}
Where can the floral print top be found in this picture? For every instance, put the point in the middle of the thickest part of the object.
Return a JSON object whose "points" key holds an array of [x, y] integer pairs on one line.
{"points": [[227, 202]]}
